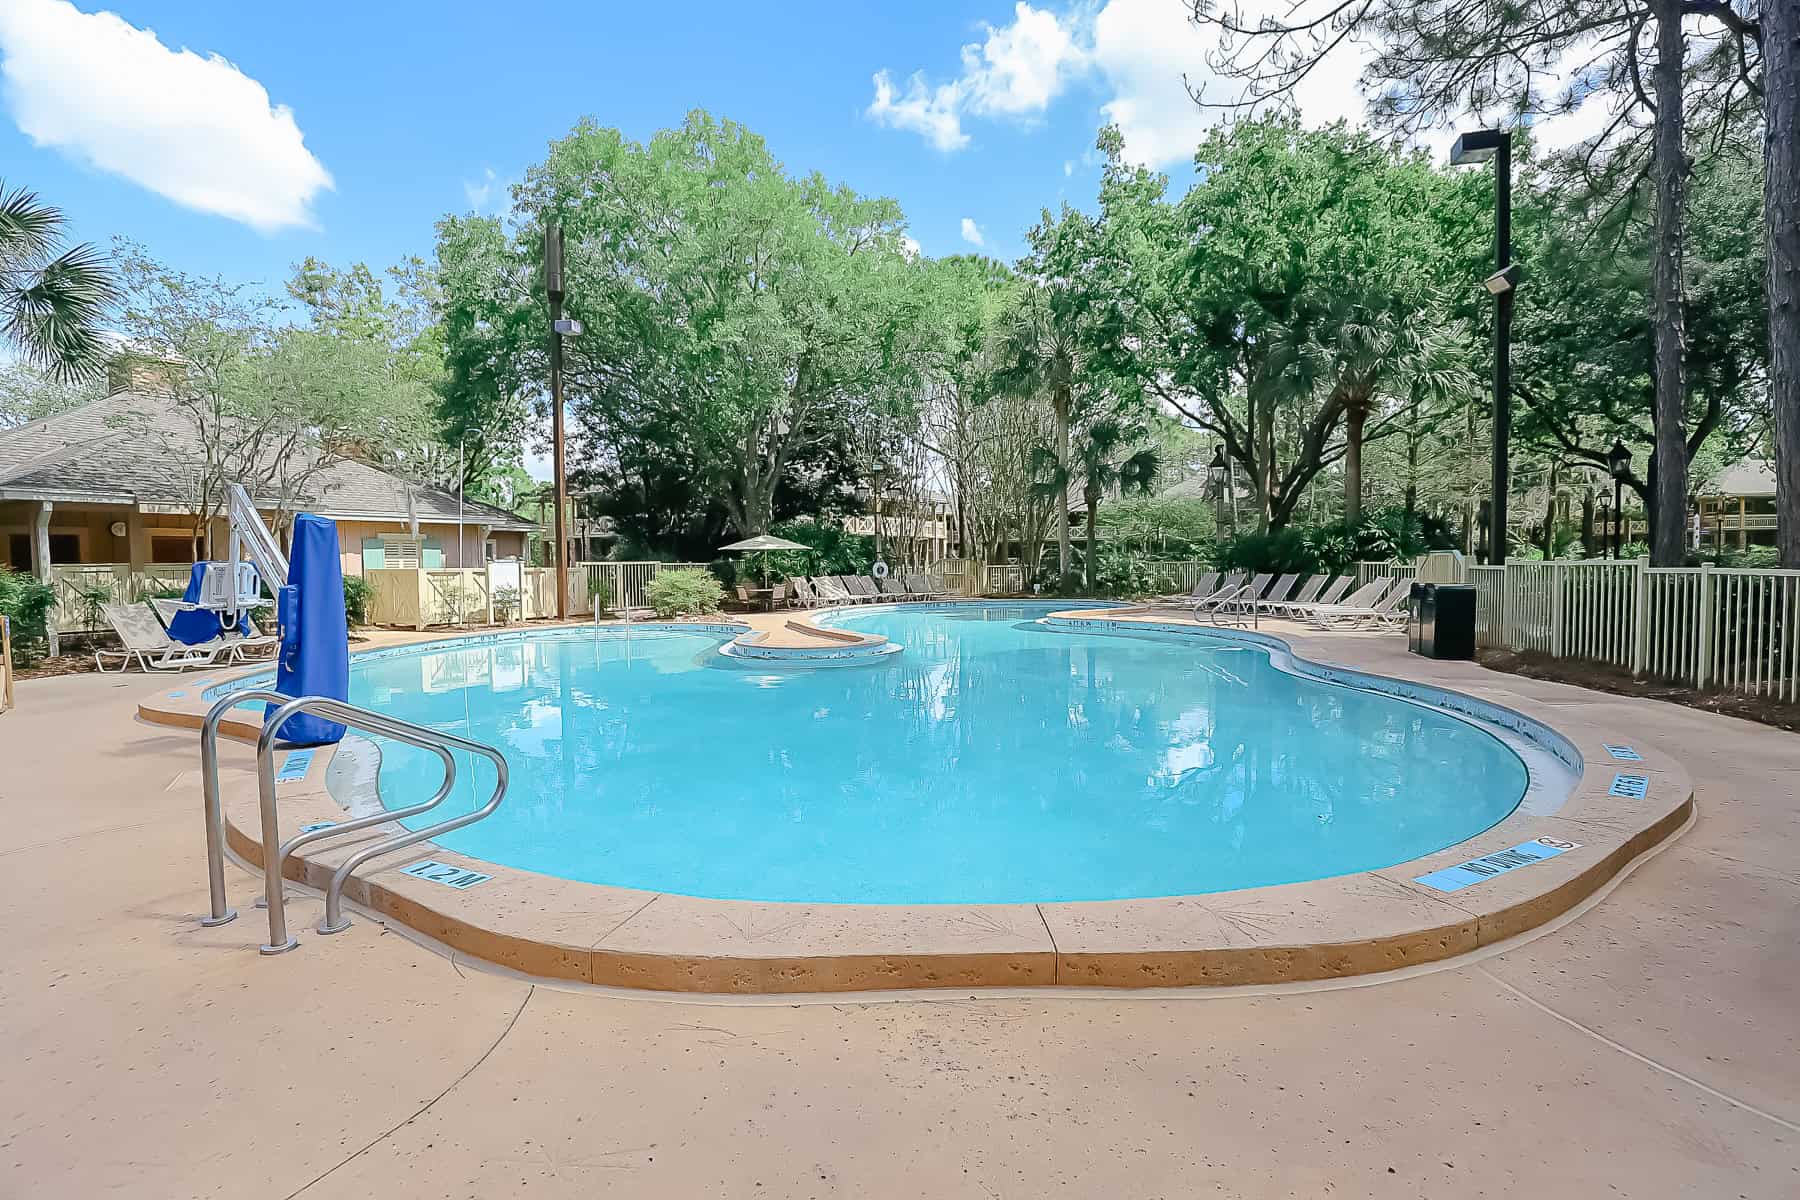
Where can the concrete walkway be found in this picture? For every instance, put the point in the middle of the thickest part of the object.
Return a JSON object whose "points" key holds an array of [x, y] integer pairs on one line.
{"points": [[1651, 1047]]}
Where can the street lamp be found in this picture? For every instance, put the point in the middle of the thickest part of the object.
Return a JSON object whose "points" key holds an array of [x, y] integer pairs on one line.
{"points": [[1479, 146], [1618, 464], [1217, 472]]}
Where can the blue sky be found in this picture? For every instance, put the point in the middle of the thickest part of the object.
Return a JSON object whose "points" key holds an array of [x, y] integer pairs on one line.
{"points": [[408, 107], [237, 138]]}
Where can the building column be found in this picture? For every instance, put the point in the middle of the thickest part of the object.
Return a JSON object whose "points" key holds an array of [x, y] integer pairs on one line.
{"points": [[40, 562], [1743, 512], [40, 541]]}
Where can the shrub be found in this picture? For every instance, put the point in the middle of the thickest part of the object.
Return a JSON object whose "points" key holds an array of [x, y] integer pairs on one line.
{"points": [[600, 591], [26, 603], [506, 603], [358, 593], [1278, 551], [688, 592], [833, 551]]}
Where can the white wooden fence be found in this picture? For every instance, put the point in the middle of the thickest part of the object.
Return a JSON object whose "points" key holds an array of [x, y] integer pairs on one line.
{"points": [[1707, 627], [81, 588]]}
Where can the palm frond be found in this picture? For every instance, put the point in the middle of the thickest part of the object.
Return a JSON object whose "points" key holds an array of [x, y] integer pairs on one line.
{"points": [[28, 229], [54, 315]]}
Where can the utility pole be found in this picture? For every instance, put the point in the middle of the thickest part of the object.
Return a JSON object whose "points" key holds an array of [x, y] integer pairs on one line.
{"points": [[553, 286]]}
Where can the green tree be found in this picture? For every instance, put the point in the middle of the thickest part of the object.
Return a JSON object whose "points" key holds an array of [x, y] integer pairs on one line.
{"points": [[1112, 454], [1676, 95], [751, 319], [1292, 304], [53, 301]]}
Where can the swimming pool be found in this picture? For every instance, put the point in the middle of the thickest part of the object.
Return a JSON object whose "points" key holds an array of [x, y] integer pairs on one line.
{"points": [[995, 760]]}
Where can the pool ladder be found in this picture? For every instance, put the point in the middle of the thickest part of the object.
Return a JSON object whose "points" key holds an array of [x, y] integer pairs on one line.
{"points": [[334, 921]]}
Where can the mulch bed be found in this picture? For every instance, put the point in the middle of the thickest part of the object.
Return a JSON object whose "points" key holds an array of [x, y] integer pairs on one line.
{"points": [[1621, 682]]}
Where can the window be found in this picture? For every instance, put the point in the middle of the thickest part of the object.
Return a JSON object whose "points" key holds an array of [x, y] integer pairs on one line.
{"points": [[18, 551], [171, 548], [65, 547]]}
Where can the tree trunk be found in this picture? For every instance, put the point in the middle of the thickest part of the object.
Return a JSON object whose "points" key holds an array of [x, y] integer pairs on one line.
{"points": [[1781, 220], [1668, 503], [1061, 401], [1356, 416]]}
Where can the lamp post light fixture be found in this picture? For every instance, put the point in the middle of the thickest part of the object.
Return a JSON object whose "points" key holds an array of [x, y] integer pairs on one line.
{"points": [[1218, 472], [1618, 465], [1495, 145]]}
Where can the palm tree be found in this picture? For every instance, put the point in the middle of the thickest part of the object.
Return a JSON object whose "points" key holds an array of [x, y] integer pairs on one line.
{"points": [[1040, 354], [51, 304], [1113, 454]]}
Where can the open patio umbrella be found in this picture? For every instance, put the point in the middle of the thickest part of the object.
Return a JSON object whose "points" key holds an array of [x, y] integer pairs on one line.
{"points": [[763, 543]]}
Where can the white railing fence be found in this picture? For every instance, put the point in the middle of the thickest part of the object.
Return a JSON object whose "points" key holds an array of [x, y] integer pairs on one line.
{"points": [[616, 585], [1175, 576], [1707, 627], [1368, 572]]}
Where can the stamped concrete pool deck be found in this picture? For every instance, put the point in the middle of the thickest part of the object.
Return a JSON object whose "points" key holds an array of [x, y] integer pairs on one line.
{"points": [[1648, 1046]]}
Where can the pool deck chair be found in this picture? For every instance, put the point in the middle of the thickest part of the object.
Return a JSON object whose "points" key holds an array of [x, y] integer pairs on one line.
{"points": [[239, 647], [1203, 587], [830, 591], [1244, 599], [804, 595], [891, 588], [1361, 603], [860, 587], [1228, 587], [1388, 610], [1276, 595], [144, 638], [919, 587], [1308, 593]]}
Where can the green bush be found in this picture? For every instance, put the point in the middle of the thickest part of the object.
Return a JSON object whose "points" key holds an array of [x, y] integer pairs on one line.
{"points": [[507, 601], [358, 592], [833, 551], [26, 603], [688, 592]]}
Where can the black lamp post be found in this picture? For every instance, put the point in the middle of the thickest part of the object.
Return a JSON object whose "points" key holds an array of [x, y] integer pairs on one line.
{"points": [[1479, 146], [1216, 472], [1618, 464]]}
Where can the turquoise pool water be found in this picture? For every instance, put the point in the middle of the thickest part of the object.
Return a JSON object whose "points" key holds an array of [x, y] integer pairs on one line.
{"points": [[994, 760]]}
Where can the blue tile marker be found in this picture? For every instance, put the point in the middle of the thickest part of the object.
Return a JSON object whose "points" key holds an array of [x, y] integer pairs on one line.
{"points": [[1467, 874], [1623, 753], [444, 873], [294, 766], [1631, 787]]}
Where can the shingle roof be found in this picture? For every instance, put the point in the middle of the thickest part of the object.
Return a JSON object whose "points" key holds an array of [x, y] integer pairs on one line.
{"points": [[118, 451], [1749, 478]]}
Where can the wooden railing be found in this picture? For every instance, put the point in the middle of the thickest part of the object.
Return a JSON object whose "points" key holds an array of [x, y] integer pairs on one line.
{"points": [[82, 587]]}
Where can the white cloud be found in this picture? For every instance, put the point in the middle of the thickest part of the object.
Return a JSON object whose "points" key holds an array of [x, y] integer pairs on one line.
{"points": [[971, 232], [194, 129], [478, 194], [1016, 71], [930, 111], [1021, 67], [910, 245], [1068, 167]]}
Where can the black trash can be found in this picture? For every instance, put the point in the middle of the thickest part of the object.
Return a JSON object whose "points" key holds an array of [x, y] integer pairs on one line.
{"points": [[1446, 617], [1415, 618]]}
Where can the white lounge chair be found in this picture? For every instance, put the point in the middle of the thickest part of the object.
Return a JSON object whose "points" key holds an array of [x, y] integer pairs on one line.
{"points": [[1362, 606], [1228, 587], [831, 591], [144, 638], [1244, 598], [919, 587], [1276, 595], [1308, 594], [1388, 612], [238, 647], [891, 588], [1205, 586], [804, 595]]}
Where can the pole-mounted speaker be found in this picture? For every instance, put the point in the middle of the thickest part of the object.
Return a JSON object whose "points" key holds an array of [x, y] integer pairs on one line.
{"points": [[553, 260]]}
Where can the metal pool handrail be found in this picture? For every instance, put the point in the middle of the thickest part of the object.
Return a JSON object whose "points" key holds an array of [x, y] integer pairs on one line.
{"points": [[438, 742]]}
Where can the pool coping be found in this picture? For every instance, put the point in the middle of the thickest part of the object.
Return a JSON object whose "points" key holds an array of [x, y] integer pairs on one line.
{"points": [[1364, 923]]}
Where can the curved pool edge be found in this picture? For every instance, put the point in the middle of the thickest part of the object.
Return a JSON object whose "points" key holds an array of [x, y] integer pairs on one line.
{"points": [[1365, 923]]}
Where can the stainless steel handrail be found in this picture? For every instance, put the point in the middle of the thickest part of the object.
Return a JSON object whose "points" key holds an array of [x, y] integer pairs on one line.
{"points": [[438, 742]]}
